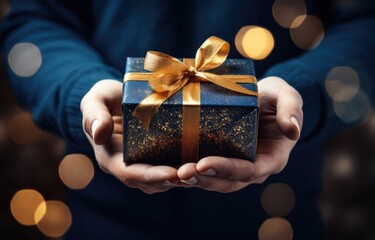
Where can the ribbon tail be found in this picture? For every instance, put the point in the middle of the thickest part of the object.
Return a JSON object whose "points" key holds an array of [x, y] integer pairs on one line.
{"points": [[221, 81], [148, 107]]}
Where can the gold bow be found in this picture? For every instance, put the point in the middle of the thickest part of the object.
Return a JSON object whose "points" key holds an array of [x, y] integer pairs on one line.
{"points": [[169, 75]]}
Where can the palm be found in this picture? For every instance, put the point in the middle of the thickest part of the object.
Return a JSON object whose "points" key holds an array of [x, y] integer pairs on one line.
{"points": [[103, 104]]}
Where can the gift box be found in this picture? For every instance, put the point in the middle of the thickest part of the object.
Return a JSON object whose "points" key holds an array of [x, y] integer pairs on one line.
{"points": [[205, 106]]}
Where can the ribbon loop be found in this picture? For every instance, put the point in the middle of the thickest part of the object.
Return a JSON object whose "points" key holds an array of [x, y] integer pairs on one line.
{"points": [[211, 54], [159, 62]]}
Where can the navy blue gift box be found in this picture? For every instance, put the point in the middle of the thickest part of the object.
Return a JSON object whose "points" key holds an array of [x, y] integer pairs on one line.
{"points": [[226, 126]]}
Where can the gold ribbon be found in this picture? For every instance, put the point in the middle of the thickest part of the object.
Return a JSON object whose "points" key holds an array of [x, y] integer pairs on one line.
{"points": [[169, 75]]}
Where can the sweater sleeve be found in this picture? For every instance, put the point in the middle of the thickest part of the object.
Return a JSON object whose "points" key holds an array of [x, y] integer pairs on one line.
{"points": [[349, 41], [55, 37]]}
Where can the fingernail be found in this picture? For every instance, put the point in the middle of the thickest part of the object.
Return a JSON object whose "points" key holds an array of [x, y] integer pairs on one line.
{"points": [[167, 183], [294, 120], [191, 181], [209, 172], [94, 126]]}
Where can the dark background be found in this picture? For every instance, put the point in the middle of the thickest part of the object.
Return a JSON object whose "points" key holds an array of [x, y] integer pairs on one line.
{"points": [[347, 200]]}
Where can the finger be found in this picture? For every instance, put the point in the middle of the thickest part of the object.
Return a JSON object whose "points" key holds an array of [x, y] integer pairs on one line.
{"points": [[136, 175], [289, 116], [266, 165], [186, 173], [96, 112], [191, 178], [227, 168], [219, 184], [148, 175], [260, 180], [239, 170], [151, 190]]}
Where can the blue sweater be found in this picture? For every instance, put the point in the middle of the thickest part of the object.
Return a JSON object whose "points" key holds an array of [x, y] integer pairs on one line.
{"points": [[82, 42]]}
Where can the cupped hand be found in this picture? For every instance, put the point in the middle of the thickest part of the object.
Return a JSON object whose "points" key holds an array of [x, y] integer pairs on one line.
{"points": [[102, 124], [280, 123]]}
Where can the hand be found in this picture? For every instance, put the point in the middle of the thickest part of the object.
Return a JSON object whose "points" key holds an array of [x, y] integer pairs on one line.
{"points": [[102, 124], [279, 129]]}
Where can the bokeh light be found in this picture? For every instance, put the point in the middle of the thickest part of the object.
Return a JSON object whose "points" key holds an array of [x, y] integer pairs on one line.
{"points": [[309, 33], [56, 220], [286, 12], [254, 42], [277, 199], [298, 21], [25, 59], [372, 123], [275, 229], [4, 8], [22, 129], [356, 110], [24, 205], [353, 218], [3, 131], [342, 83], [343, 165], [76, 171]]}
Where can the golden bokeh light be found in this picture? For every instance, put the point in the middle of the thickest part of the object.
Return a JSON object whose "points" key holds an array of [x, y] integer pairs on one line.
{"points": [[309, 33], [343, 166], [76, 171], [40, 212], [254, 42], [286, 12], [24, 205], [342, 83], [298, 21], [275, 229], [22, 129], [278, 199], [56, 220], [239, 37]]}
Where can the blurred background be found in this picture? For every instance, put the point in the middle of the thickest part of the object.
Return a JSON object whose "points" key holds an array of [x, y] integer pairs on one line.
{"points": [[34, 170]]}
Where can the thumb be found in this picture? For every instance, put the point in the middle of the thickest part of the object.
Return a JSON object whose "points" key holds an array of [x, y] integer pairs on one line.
{"points": [[289, 115], [96, 116], [98, 125]]}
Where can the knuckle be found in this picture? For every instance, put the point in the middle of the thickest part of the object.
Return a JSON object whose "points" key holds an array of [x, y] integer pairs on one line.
{"points": [[247, 178], [147, 179], [145, 190], [261, 180], [279, 167], [249, 175], [297, 111], [204, 184], [86, 123], [254, 176], [83, 102], [87, 120], [230, 187], [227, 170], [104, 168], [149, 192]]}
